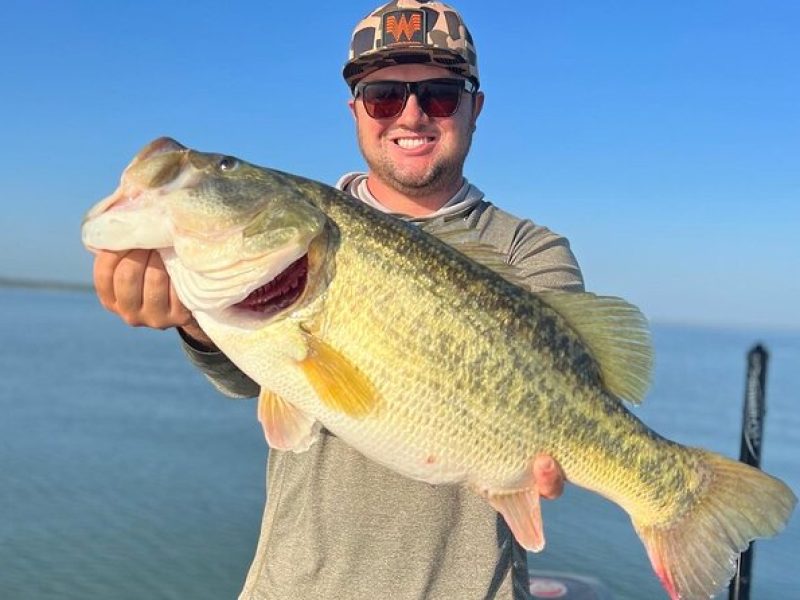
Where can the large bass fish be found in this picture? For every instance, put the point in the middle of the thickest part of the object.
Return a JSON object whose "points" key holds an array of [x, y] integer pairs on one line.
{"points": [[428, 359]]}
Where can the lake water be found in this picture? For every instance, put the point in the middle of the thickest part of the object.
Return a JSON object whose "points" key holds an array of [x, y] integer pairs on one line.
{"points": [[124, 475]]}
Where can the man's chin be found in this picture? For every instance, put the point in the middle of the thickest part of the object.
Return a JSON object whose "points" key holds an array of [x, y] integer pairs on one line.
{"points": [[418, 185], [429, 176], [418, 179]]}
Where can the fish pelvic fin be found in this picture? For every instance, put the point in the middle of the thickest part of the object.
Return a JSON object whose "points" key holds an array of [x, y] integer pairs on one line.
{"points": [[617, 336], [339, 384], [285, 426], [695, 556], [522, 512]]}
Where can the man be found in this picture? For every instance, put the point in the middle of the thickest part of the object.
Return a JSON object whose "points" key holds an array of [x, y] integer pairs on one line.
{"points": [[337, 526]]}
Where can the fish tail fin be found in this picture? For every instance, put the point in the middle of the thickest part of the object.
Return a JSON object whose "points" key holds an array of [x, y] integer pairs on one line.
{"points": [[695, 556]]}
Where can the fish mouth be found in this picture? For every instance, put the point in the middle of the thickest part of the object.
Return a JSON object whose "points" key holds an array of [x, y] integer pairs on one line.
{"points": [[280, 293]]}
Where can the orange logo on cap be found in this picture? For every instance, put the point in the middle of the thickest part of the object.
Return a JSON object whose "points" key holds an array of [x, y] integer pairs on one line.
{"points": [[403, 27]]}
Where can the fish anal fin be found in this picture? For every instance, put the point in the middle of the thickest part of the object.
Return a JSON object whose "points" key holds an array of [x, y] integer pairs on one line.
{"points": [[695, 554], [285, 426], [339, 384], [522, 512], [617, 336]]}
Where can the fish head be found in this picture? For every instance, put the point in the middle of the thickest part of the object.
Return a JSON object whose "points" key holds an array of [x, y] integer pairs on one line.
{"points": [[234, 236]]}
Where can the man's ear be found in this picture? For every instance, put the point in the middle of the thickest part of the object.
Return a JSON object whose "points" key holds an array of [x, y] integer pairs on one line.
{"points": [[477, 107], [352, 106]]}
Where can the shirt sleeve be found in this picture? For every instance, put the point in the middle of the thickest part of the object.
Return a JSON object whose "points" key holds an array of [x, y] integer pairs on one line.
{"points": [[543, 259], [219, 370]]}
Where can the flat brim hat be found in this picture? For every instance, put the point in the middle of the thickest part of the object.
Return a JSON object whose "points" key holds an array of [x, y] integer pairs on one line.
{"points": [[411, 32]]}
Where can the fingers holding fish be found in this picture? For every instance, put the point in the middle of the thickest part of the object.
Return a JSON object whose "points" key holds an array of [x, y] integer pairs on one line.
{"points": [[135, 306], [105, 262], [178, 313], [549, 477], [161, 306], [135, 286]]}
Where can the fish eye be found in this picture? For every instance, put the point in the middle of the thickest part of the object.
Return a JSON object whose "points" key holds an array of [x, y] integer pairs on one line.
{"points": [[227, 163]]}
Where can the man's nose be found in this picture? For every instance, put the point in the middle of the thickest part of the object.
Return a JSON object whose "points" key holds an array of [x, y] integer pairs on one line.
{"points": [[412, 112]]}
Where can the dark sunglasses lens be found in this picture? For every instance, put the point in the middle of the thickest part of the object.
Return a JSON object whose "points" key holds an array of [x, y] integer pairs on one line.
{"points": [[383, 99], [439, 99]]}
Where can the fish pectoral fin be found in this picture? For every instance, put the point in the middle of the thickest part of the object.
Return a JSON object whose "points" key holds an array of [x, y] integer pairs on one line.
{"points": [[286, 427], [339, 384], [523, 513]]}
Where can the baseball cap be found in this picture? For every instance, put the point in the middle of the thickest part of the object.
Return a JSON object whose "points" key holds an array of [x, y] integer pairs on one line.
{"points": [[411, 31]]}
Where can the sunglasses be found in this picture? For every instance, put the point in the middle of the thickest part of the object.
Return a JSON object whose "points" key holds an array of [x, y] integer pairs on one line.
{"points": [[436, 97]]}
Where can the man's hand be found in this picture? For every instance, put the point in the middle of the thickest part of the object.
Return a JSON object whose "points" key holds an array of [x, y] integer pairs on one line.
{"points": [[135, 285], [549, 477]]}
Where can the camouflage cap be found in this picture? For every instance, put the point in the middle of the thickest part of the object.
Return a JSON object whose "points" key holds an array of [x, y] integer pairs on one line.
{"points": [[411, 31]]}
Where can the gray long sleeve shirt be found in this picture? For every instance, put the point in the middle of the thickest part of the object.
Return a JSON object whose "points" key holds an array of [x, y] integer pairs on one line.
{"points": [[340, 527]]}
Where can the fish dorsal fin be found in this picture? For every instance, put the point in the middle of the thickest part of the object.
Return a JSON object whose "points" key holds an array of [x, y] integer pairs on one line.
{"points": [[615, 331], [616, 334], [467, 242], [285, 426], [337, 382]]}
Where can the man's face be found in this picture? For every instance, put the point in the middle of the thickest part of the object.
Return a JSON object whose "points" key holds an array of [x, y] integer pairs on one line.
{"points": [[413, 153]]}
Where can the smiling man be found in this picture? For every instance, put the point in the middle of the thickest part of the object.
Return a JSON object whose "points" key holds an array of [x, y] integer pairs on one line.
{"points": [[336, 525], [415, 159]]}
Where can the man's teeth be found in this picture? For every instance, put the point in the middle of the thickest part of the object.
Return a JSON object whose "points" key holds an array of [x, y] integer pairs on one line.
{"points": [[408, 143]]}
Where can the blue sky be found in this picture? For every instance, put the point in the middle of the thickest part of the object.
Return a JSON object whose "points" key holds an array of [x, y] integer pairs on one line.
{"points": [[662, 138]]}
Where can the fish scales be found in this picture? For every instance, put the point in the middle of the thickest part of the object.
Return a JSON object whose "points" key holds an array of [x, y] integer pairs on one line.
{"points": [[490, 409], [454, 347], [427, 361]]}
